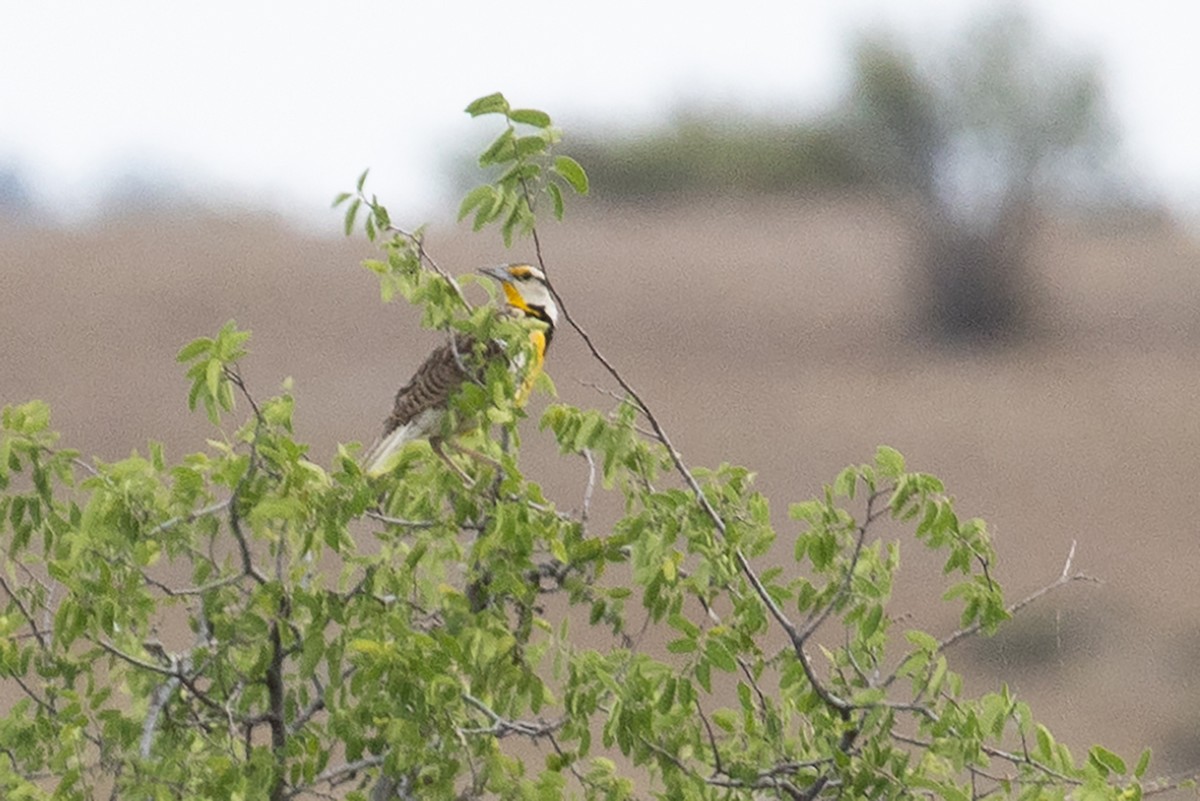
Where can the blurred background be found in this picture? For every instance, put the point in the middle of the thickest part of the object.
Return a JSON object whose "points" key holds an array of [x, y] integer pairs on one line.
{"points": [[964, 229]]}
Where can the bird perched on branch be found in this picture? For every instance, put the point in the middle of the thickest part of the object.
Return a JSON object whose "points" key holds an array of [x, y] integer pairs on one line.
{"points": [[422, 404]]}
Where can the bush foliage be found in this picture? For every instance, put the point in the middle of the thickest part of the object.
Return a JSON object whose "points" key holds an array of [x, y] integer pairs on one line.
{"points": [[246, 622]]}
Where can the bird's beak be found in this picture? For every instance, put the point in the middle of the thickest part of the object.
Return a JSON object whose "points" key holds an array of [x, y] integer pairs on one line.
{"points": [[499, 272]]}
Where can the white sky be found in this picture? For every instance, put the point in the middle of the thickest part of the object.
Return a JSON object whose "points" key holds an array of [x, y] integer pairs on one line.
{"points": [[284, 103]]}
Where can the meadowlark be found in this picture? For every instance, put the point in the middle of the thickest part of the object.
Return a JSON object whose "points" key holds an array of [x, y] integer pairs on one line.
{"points": [[421, 405]]}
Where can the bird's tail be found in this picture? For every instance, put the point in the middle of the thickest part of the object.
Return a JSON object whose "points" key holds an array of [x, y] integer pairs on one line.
{"points": [[378, 459]]}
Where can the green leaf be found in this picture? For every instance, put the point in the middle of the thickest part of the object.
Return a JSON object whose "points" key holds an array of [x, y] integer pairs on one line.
{"points": [[683, 645], [871, 622], [846, 482], [529, 116], [889, 461], [527, 146], [1045, 743], [482, 197], [362, 179], [720, 656], [488, 104], [1142, 764], [668, 569], [810, 511], [939, 675], [1103, 758], [556, 197], [29, 418], [351, 216], [212, 376], [681, 623], [500, 150], [926, 642], [342, 198], [382, 218], [277, 509], [725, 719], [572, 173], [193, 349]]}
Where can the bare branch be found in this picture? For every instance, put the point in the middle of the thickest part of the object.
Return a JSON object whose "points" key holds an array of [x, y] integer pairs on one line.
{"points": [[84, 466], [712, 739], [186, 591], [339, 775], [769, 779], [589, 489], [169, 672], [1064, 578], [188, 518], [502, 727], [158, 701], [396, 521]]}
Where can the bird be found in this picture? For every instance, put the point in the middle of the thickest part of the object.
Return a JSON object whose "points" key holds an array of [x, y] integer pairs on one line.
{"points": [[420, 407]]}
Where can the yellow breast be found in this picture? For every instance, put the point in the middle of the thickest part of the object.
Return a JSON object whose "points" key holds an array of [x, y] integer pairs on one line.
{"points": [[538, 339]]}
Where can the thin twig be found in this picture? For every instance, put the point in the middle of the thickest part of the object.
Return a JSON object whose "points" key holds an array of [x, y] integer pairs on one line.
{"points": [[188, 518], [396, 521], [502, 726], [170, 672], [174, 592], [589, 489], [342, 773], [1064, 578], [85, 466], [749, 674], [712, 739]]}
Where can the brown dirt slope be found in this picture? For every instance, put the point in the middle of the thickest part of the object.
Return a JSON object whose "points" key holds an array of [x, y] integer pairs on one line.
{"points": [[773, 336]]}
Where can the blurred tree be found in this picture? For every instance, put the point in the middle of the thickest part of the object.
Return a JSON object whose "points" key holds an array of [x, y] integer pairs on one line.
{"points": [[983, 138], [715, 152], [145, 186]]}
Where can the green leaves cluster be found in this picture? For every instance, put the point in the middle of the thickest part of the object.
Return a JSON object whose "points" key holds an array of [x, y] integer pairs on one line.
{"points": [[211, 359], [522, 154]]}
